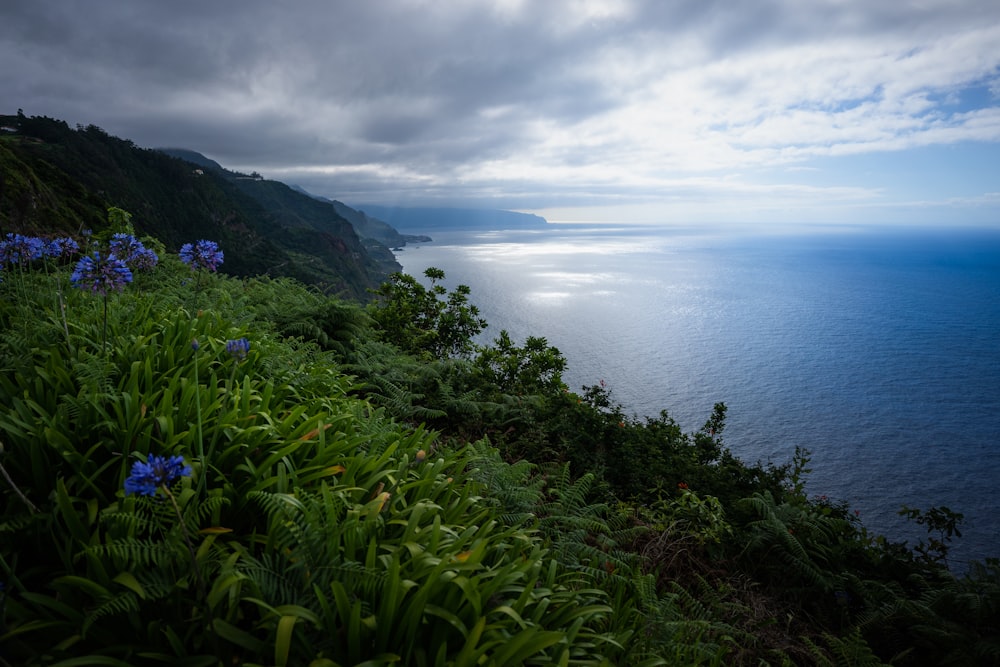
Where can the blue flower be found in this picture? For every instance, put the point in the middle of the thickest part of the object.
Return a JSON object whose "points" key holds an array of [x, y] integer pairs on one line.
{"points": [[20, 249], [146, 477], [63, 246], [101, 273], [131, 251], [238, 348], [201, 255], [145, 260], [124, 246]]}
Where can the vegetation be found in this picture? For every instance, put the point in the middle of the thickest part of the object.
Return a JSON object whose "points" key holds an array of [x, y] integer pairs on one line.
{"points": [[54, 178], [200, 470]]}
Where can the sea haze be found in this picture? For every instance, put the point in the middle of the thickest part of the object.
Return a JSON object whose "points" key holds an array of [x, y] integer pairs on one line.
{"points": [[875, 349]]}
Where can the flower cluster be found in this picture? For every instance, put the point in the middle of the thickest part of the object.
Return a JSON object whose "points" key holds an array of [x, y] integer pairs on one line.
{"points": [[62, 247], [201, 255], [146, 477], [131, 251], [238, 348], [101, 273], [19, 249]]}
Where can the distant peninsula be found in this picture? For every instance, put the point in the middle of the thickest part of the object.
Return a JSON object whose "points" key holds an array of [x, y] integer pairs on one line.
{"points": [[426, 220]]}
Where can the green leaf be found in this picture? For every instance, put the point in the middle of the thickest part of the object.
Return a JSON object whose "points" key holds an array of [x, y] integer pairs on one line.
{"points": [[283, 639], [128, 580], [232, 634], [525, 644], [85, 584], [92, 660]]}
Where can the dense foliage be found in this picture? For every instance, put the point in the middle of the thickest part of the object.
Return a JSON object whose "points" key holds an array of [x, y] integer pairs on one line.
{"points": [[54, 178], [199, 470]]}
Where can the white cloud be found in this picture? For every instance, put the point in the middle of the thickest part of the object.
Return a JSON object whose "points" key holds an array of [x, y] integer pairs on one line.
{"points": [[520, 102]]}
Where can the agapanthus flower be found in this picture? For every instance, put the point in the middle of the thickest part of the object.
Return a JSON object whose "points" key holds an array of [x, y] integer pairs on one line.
{"points": [[145, 260], [63, 246], [124, 246], [131, 251], [20, 249], [146, 477], [238, 348], [201, 255], [101, 273]]}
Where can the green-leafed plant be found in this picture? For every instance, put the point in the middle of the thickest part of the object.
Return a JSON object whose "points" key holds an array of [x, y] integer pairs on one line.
{"points": [[201, 471], [312, 526], [426, 320]]}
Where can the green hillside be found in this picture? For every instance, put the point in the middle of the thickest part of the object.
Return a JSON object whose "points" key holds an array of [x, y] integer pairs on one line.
{"points": [[53, 177]]}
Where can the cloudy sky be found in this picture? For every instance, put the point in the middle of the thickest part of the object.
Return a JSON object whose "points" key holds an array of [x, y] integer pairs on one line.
{"points": [[865, 111]]}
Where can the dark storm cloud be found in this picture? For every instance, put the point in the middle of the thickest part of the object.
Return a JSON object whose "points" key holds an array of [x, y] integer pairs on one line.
{"points": [[407, 70], [559, 101]]}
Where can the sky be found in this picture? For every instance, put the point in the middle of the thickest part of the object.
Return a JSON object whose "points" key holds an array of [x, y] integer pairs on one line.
{"points": [[640, 111]]}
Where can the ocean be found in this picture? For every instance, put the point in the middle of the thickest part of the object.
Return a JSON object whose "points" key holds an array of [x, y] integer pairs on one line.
{"points": [[875, 349]]}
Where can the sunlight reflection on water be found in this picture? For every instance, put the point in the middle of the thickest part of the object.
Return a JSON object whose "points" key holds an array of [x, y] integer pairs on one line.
{"points": [[876, 353]]}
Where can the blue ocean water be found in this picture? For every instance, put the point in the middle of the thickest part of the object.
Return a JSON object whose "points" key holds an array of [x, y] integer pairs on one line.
{"points": [[876, 349]]}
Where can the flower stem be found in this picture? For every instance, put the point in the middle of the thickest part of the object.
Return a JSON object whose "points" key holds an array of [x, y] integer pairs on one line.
{"points": [[202, 590], [62, 313], [187, 540], [201, 441], [17, 491], [104, 331]]}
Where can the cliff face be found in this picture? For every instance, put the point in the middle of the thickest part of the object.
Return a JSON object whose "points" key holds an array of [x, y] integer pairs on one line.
{"points": [[57, 179]]}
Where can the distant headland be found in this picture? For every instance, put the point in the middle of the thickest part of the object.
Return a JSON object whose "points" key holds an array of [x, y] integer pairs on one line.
{"points": [[419, 219]]}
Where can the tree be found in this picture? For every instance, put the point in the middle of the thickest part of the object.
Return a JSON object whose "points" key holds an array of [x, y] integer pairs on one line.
{"points": [[120, 221], [426, 320], [535, 368]]}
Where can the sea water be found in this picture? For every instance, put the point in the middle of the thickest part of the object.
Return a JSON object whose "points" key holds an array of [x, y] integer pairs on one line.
{"points": [[875, 349]]}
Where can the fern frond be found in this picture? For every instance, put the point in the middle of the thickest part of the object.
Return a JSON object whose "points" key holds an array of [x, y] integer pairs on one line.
{"points": [[268, 575], [132, 552], [849, 651], [124, 602]]}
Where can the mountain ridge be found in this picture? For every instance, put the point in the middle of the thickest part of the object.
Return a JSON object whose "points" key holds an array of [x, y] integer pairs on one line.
{"points": [[366, 225], [56, 179]]}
